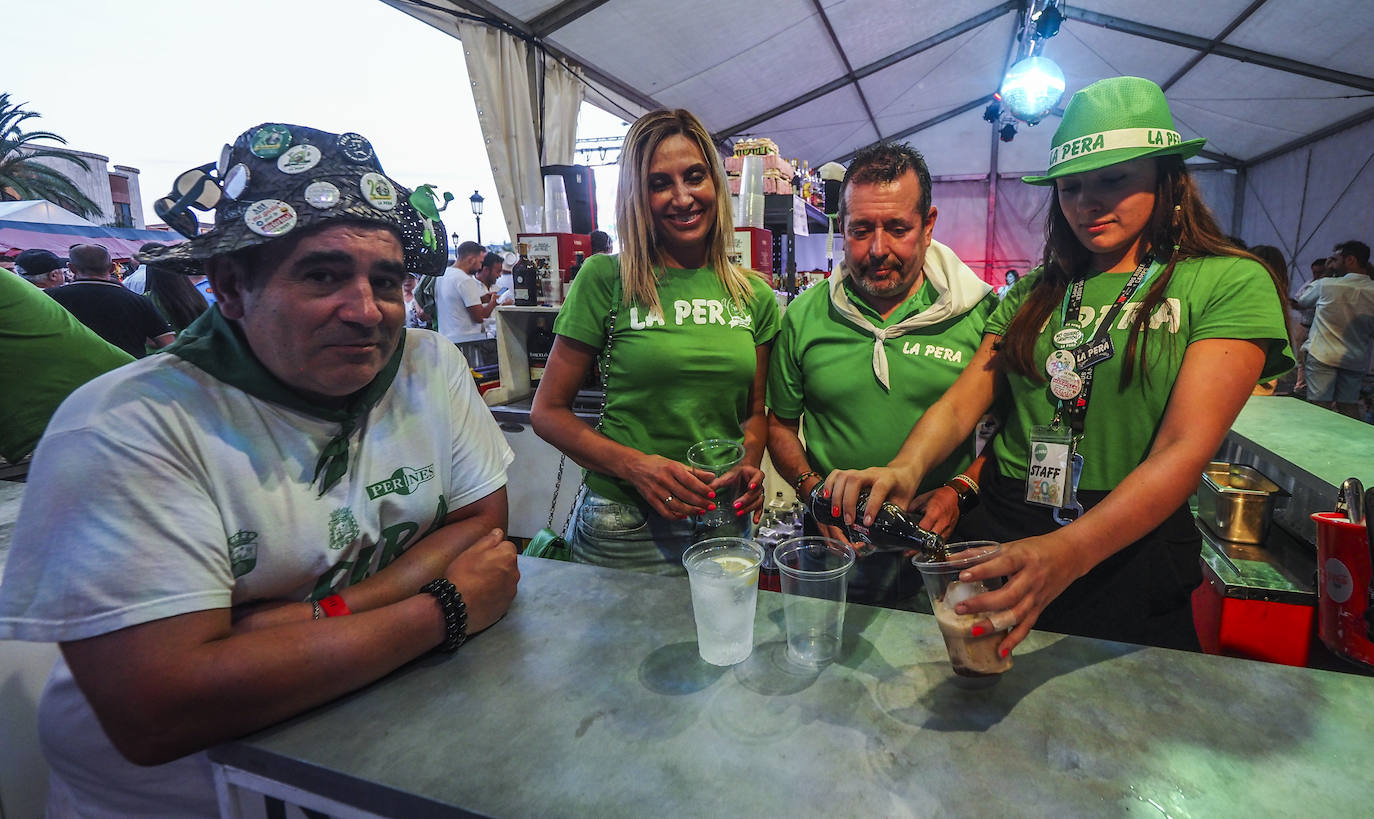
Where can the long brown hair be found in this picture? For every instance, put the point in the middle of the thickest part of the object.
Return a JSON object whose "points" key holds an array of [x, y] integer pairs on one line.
{"points": [[640, 250], [1181, 227]]}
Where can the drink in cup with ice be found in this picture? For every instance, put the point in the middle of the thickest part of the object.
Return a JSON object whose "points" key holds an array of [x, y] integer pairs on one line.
{"points": [[724, 577], [718, 456], [971, 657]]}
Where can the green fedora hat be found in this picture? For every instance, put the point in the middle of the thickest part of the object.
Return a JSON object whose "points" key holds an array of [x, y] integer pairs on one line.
{"points": [[1114, 120]]}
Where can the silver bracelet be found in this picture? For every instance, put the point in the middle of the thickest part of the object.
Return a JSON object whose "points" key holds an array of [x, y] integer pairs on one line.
{"points": [[318, 612]]}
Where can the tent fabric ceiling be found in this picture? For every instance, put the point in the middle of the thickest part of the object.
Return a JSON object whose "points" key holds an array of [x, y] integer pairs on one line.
{"points": [[1256, 77]]}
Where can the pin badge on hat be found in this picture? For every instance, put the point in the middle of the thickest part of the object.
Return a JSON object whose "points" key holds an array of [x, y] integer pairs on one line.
{"points": [[1059, 361], [1068, 338], [355, 147], [236, 180], [378, 191], [270, 217], [298, 159], [269, 142], [321, 194], [1066, 385]]}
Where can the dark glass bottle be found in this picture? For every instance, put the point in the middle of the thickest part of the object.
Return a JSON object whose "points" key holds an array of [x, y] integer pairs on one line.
{"points": [[538, 346], [893, 530], [523, 277], [578, 259]]}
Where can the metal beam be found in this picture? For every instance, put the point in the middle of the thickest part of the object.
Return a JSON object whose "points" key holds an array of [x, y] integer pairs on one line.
{"points": [[849, 69], [858, 74], [561, 15], [933, 121], [1226, 32], [1302, 142], [1244, 55]]}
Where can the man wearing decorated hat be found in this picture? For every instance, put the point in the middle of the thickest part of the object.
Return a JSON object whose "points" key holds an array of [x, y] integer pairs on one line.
{"points": [[301, 495], [1123, 358]]}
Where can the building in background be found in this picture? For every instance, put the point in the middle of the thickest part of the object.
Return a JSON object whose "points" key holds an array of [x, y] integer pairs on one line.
{"points": [[114, 188]]}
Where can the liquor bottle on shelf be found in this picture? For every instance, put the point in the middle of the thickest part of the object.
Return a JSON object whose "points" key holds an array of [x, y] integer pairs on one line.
{"points": [[892, 529], [578, 258], [806, 180], [538, 345], [524, 277]]}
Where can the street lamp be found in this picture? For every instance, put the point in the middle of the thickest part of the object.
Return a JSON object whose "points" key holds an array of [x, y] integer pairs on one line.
{"points": [[454, 245], [476, 200]]}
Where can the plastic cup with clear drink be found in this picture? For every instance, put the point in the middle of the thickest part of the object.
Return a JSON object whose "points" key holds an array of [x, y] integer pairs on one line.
{"points": [[975, 659], [724, 577], [813, 573], [718, 456]]}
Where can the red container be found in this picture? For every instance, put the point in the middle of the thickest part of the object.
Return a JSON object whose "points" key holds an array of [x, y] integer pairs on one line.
{"points": [[754, 249], [1343, 578], [1256, 629]]}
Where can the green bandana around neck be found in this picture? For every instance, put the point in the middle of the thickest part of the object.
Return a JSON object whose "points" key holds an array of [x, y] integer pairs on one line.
{"points": [[217, 346]]}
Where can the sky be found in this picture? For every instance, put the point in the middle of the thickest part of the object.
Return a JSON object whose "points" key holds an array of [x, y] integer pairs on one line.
{"points": [[161, 85]]}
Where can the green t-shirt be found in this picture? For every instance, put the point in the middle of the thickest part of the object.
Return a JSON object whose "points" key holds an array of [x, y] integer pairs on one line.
{"points": [[1214, 297], [45, 353], [675, 378], [822, 371]]}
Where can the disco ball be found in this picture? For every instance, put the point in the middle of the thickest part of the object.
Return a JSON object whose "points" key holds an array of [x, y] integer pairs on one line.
{"points": [[1032, 88]]}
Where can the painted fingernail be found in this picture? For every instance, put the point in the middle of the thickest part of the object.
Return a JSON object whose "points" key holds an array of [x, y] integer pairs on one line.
{"points": [[710, 507], [740, 512], [738, 504], [1004, 652], [978, 631], [753, 486], [826, 494], [834, 511], [711, 495]]}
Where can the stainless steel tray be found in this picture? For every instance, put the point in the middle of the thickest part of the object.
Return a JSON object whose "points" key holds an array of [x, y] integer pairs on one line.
{"points": [[1236, 502]]}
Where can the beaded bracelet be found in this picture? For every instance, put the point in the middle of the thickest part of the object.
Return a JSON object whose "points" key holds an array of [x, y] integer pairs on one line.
{"points": [[455, 612], [796, 485]]}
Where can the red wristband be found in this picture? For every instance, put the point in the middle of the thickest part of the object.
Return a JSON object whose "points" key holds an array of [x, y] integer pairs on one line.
{"points": [[334, 605]]}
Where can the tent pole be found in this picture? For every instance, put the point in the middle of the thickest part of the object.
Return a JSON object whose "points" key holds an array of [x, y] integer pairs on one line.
{"points": [[992, 206], [1238, 201]]}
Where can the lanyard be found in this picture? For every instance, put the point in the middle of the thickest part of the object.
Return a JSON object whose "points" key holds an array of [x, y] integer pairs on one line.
{"points": [[1098, 348]]}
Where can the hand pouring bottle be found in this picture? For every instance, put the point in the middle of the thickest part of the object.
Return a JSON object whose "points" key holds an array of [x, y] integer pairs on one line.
{"points": [[893, 530]]}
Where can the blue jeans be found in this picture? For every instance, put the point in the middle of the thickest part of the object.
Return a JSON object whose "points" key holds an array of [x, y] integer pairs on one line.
{"points": [[617, 535]]}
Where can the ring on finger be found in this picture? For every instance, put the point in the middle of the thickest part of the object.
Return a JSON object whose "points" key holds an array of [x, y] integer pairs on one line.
{"points": [[668, 499], [1002, 620]]}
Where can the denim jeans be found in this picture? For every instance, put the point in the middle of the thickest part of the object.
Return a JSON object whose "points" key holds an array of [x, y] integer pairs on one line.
{"points": [[617, 535]]}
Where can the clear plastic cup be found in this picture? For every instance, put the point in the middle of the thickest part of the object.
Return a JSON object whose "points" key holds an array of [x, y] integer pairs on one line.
{"points": [[814, 579], [973, 658], [724, 577], [718, 456]]}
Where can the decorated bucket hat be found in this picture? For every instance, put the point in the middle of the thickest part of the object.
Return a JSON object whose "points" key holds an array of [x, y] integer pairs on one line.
{"points": [[279, 180], [1114, 120]]}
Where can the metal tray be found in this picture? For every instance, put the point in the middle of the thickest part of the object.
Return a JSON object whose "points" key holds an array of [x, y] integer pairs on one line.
{"points": [[1236, 502]]}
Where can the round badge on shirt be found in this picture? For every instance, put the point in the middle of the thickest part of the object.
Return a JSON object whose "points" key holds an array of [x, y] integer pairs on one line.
{"points": [[1068, 338], [1058, 362], [270, 217], [1066, 385]]}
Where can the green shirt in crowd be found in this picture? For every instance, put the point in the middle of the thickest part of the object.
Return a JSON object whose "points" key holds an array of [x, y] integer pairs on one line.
{"points": [[822, 372], [1213, 297], [45, 353], [675, 378]]}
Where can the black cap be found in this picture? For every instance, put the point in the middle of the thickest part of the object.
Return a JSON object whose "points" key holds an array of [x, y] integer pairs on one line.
{"points": [[37, 262]]}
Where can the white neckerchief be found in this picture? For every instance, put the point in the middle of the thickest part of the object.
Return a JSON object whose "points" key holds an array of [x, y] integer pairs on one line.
{"points": [[959, 291]]}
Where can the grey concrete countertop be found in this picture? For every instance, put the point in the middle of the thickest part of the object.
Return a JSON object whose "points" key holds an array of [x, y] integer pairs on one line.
{"points": [[589, 699]]}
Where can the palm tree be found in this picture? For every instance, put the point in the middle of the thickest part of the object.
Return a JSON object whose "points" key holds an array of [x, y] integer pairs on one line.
{"points": [[23, 178]]}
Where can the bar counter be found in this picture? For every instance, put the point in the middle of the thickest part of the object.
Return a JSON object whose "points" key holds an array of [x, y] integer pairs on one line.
{"points": [[588, 699]]}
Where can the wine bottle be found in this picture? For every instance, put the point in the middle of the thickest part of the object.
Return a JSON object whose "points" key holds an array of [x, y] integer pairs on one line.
{"points": [[523, 277], [892, 530], [539, 344]]}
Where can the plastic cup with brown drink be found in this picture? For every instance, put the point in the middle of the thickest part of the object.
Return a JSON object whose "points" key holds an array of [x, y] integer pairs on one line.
{"points": [[975, 659]]}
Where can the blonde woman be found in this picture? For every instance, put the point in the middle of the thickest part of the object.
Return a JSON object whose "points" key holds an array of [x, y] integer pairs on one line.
{"points": [[683, 338]]}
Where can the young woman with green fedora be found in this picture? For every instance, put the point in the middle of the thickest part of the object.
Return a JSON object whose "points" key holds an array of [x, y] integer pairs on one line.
{"points": [[1122, 361]]}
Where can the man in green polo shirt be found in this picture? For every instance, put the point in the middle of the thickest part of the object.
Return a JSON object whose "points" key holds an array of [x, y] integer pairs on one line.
{"points": [[861, 359]]}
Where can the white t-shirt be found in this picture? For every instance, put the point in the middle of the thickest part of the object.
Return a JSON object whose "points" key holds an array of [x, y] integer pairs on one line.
{"points": [[202, 498], [1343, 324], [453, 295]]}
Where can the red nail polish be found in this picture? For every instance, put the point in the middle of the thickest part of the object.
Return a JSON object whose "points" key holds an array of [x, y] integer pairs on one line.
{"points": [[753, 486], [1004, 652], [738, 504], [710, 507], [834, 511], [740, 512], [826, 495], [977, 631], [711, 495]]}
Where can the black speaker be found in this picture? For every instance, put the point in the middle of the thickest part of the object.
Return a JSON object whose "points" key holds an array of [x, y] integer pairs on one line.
{"points": [[581, 188]]}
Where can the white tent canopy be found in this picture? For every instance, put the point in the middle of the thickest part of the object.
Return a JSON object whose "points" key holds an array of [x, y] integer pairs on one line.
{"points": [[1282, 89]]}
